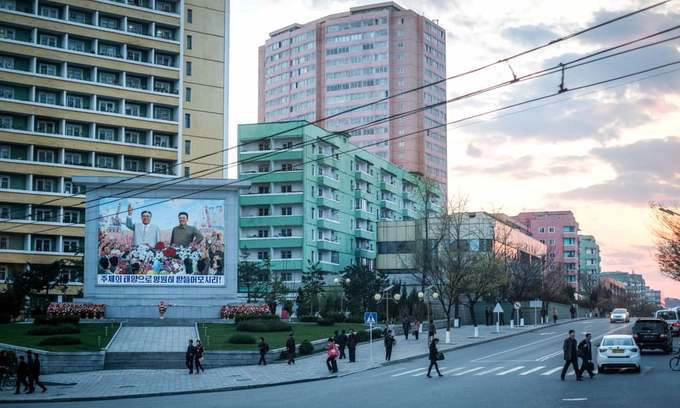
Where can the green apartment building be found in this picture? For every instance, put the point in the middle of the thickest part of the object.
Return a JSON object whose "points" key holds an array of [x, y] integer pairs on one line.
{"points": [[589, 262], [314, 197]]}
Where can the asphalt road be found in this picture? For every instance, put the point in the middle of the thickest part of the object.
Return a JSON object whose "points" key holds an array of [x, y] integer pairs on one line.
{"points": [[521, 371]]}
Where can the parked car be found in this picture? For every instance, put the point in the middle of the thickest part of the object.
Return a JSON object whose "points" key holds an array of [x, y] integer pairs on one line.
{"points": [[619, 315], [671, 318], [618, 351], [653, 334]]}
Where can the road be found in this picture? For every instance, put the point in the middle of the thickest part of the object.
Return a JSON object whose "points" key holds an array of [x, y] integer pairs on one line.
{"points": [[521, 371]]}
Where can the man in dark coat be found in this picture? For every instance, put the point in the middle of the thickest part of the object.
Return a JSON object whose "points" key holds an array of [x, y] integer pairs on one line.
{"points": [[406, 326], [487, 316], [572, 311], [190, 355], [341, 340], [352, 346], [34, 374], [585, 348], [22, 373], [290, 348], [264, 349], [570, 356], [389, 343], [433, 357]]}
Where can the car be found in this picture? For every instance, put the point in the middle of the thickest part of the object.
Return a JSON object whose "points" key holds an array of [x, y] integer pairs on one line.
{"points": [[618, 351], [653, 334], [619, 315], [671, 318]]}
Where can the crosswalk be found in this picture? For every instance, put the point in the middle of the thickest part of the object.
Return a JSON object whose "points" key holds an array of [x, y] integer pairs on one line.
{"points": [[473, 370]]}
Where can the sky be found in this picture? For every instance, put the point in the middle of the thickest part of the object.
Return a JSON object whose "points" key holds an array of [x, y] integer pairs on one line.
{"points": [[604, 152]]}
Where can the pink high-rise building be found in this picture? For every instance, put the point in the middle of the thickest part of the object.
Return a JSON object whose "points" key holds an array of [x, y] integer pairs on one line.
{"points": [[341, 61], [559, 231]]}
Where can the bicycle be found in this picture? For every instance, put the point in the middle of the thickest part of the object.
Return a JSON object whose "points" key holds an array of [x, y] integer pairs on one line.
{"points": [[674, 362]]}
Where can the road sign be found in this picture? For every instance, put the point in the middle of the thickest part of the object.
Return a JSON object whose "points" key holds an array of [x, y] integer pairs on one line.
{"points": [[536, 304], [498, 308], [517, 305], [370, 318]]}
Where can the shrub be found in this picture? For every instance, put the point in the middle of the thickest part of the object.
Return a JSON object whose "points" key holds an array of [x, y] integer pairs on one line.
{"points": [[83, 310], [306, 347], [230, 311], [51, 330], [240, 338], [263, 326], [355, 319], [336, 317], [243, 317], [308, 319], [42, 320], [60, 341], [363, 335], [325, 322]]}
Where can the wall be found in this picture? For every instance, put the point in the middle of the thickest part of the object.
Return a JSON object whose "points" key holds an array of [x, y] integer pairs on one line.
{"points": [[52, 363]]}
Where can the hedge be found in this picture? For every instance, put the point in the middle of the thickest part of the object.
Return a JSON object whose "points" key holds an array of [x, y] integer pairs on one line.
{"points": [[60, 341], [240, 338], [243, 317], [363, 334], [42, 320], [263, 326], [308, 319], [336, 317], [51, 330], [325, 322], [306, 347]]}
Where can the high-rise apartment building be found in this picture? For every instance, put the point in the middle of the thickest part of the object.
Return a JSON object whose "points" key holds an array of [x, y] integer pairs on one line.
{"points": [[589, 263], [314, 197], [342, 61], [559, 231], [634, 283], [97, 87]]}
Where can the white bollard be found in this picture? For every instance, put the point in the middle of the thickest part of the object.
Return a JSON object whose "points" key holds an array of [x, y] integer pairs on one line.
{"points": [[512, 324], [456, 323], [448, 336], [476, 331], [498, 327], [521, 322]]}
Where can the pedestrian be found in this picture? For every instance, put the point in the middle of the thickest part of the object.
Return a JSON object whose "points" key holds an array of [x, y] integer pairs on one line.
{"points": [[406, 326], [501, 316], [29, 363], [342, 344], [434, 357], [198, 356], [544, 315], [570, 356], [585, 349], [332, 353], [336, 334], [554, 315], [290, 348], [4, 368], [488, 315], [572, 311], [34, 374], [389, 343], [416, 328], [264, 348], [352, 346], [189, 356], [22, 374], [431, 331]]}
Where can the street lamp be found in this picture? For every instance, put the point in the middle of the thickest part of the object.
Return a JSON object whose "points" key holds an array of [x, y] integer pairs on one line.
{"points": [[433, 295], [338, 281], [387, 297]]}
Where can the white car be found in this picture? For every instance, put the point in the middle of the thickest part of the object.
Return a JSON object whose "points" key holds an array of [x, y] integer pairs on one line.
{"points": [[619, 315], [618, 351]]}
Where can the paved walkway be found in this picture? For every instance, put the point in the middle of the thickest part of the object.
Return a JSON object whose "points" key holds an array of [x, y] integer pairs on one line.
{"points": [[122, 383], [152, 339]]}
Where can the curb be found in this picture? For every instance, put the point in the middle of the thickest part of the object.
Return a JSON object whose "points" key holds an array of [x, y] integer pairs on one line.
{"points": [[275, 384]]}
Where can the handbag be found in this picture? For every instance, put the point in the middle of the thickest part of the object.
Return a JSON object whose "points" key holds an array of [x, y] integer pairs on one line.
{"points": [[440, 356], [201, 359]]}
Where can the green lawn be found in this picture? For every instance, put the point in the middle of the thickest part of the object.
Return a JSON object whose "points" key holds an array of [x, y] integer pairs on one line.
{"points": [[89, 332], [219, 333]]}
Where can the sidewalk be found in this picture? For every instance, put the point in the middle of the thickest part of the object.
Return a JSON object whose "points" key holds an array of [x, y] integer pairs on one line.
{"points": [[111, 384]]}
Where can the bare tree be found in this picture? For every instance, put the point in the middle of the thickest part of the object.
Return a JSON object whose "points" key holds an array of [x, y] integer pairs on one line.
{"points": [[667, 235]]}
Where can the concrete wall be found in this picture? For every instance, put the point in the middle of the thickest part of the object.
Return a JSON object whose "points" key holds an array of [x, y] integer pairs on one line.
{"points": [[52, 362]]}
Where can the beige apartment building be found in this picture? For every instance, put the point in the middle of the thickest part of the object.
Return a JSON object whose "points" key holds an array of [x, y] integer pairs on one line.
{"points": [[102, 87]]}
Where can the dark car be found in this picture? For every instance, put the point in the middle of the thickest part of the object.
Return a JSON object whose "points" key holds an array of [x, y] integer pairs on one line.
{"points": [[653, 334]]}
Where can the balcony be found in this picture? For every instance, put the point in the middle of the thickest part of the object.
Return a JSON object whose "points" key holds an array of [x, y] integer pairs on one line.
{"points": [[276, 177], [326, 160], [366, 234], [328, 202], [328, 245], [392, 205], [329, 182], [327, 266], [362, 194], [364, 253], [327, 223], [293, 154], [365, 215], [362, 175], [272, 198], [409, 213], [272, 220], [286, 264], [270, 242], [389, 187]]}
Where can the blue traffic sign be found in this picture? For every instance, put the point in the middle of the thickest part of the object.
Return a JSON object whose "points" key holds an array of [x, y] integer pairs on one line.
{"points": [[370, 318]]}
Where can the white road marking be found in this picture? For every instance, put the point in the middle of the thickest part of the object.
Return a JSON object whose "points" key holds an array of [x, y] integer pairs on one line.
{"points": [[575, 399], [553, 371], [545, 334], [397, 370], [646, 370], [469, 371], [549, 356], [425, 372], [511, 370], [547, 339], [409, 372], [490, 371], [532, 370], [453, 370]]}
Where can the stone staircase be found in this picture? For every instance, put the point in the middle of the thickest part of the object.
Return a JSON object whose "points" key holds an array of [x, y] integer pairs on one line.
{"points": [[144, 360]]}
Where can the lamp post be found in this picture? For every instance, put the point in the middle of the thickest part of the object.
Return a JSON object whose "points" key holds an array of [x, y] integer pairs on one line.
{"points": [[387, 297], [432, 295], [339, 281]]}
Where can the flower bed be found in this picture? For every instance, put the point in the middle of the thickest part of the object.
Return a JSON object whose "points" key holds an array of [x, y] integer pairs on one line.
{"points": [[85, 310], [230, 311]]}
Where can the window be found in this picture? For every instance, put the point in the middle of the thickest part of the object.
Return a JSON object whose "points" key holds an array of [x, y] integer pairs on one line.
{"points": [[187, 120], [133, 165], [109, 22], [262, 255], [165, 33], [75, 73], [71, 217], [73, 158], [47, 97], [161, 167], [106, 105], [286, 188], [69, 187], [136, 27], [43, 214], [7, 33], [187, 94], [135, 55], [286, 254], [163, 86], [6, 92], [48, 40], [551, 229], [187, 172], [286, 232], [76, 44], [4, 152], [4, 242], [134, 136], [190, 16], [71, 245], [105, 162], [4, 181], [73, 129], [165, 6], [263, 189], [263, 146], [75, 101], [286, 167], [4, 212], [42, 245], [47, 69], [133, 109], [263, 211], [51, 12], [46, 185], [6, 62], [109, 50], [134, 82], [568, 228], [262, 168], [45, 156], [46, 126], [263, 233], [164, 59], [105, 133], [188, 68], [109, 78], [286, 210], [162, 113], [190, 41], [335, 257], [78, 16], [541, 229], [161, 140], [551, 242], [187, 147]]}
